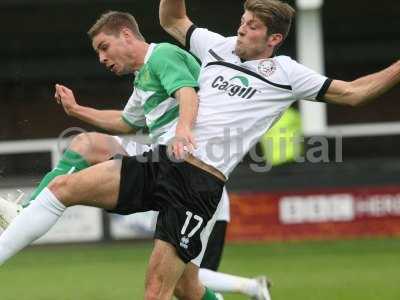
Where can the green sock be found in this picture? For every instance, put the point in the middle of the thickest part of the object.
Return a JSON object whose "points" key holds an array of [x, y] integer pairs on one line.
{"points": [[209, 295], [70, 162]]}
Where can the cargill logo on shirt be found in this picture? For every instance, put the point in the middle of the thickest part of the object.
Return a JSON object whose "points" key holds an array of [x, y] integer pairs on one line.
{"points": [[237, 85]]}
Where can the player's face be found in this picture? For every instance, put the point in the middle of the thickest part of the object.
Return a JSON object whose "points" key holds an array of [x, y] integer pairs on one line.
{"points": [[114, 52], [253, 41]]}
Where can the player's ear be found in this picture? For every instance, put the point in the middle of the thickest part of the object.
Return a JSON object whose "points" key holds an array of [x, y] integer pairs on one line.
{"points": [[274, 40], [126, 33]]}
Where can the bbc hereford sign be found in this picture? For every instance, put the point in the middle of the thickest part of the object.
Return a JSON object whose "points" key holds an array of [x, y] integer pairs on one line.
{"points": [[316, 214]]}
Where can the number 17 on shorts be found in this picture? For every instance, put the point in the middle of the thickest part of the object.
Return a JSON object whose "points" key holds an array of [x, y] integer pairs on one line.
{"points": [[190, 218]]}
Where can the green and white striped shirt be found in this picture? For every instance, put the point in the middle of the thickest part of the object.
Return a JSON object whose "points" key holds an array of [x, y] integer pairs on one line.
{"points": [[166, 69]]}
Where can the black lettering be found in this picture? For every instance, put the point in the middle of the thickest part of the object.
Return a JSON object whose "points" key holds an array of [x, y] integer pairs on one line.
{"points": [[215, 84], [242, 91], [247, 92], [252, 94], [234, 90], [224, 86]]}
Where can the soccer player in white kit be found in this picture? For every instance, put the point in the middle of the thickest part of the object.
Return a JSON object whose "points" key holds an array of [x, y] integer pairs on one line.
{"points": [[245, 87]]}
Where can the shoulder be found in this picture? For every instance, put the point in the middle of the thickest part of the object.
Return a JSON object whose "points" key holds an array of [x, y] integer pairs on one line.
{"points": [[165, 53], [225, 44], [202, 33], [166, 50], [221, 50], [284, 61], [202, 38], [287, 64]]}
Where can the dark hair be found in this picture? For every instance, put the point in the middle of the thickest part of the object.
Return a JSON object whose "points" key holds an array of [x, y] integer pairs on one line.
{"points": [[112, 22], [276, 15]]}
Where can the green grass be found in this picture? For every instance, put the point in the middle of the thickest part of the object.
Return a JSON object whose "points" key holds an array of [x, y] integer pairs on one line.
{"points": [[364, 269]]}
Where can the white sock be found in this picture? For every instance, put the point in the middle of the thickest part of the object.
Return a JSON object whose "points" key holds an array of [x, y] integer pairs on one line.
{"points": [[225, 283], [32, 223]]}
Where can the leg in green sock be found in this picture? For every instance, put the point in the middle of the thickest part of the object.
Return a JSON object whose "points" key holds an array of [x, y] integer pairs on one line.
{"points": [[209, 295], [70, 162], [86, 149]]}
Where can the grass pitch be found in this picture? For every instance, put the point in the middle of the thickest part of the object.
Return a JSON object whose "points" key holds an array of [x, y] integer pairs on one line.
{"points": [[353, 270]]}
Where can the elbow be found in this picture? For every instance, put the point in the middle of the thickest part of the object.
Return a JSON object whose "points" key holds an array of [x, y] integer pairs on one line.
{"points": [[355, 102], [126, 130], [122, 131], [167, 21], [359, 95], [352, 101], [353, 97], [164, 23], [167, 24], [349, 93], [357, 99]]}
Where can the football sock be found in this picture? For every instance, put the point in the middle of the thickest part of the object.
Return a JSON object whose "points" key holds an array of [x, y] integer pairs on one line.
{"points": [[209, 295], [225, 283], [32, 223], [70, 162]]}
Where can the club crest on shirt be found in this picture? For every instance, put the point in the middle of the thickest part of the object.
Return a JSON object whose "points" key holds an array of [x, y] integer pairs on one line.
{"points": [[266, 67]]}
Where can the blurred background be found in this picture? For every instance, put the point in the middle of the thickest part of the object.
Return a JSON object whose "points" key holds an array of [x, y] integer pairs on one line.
{"points": [[326, 227]]}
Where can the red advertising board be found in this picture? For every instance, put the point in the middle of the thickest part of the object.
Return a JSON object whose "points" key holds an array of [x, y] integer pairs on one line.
{"points": [[315, 214]]}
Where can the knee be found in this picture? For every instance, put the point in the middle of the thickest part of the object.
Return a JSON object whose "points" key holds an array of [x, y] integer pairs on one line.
{"points": [[81, 142], [187, 290], [158, 287], [89, 145], [151, 296], [152, 287], [179, 291], [61, 187], [152, 293]]}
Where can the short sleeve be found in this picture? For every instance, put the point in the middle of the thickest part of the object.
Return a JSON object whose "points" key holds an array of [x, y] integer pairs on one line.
{"points": [[175, 68], [200, 40], [133, 113], [306, 83]]}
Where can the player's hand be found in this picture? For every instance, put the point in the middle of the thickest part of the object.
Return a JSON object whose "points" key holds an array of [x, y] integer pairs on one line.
{"points": [[183, 142], [66, 98]]}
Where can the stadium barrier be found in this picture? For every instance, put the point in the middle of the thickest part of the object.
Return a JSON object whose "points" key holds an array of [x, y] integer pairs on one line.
{"points": [[54, 146], [315, 214]]}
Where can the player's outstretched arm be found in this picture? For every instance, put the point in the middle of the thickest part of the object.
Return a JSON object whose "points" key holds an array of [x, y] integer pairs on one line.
{"points": [[110, 120], [364, 89], [174, 20]]}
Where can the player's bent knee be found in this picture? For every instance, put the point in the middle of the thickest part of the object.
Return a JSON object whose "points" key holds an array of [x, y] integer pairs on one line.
{"points": [[179, 291], [188, 286], [93, 146], [185, 291], [153, 286], [157, 287], [81, 142], [152, 294], [85, 144], [61, 187]]}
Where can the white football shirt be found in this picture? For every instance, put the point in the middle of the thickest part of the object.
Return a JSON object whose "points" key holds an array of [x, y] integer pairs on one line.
{"points": [[241, 100]]}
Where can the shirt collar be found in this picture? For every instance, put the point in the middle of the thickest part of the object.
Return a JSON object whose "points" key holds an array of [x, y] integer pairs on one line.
{"points": [[149, 52]]}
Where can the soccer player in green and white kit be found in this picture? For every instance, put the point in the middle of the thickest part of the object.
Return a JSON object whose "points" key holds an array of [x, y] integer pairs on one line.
{"points": [[165, 76], [166, 69]]}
